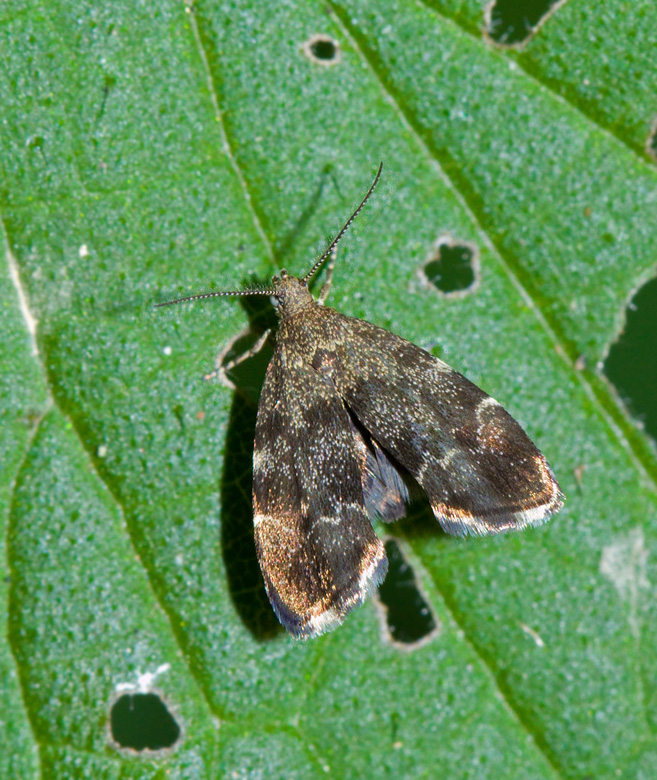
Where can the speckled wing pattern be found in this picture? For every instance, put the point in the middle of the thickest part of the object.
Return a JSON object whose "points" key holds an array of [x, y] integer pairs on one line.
{"points": [[347, 411], [478, 468], [317, 549]]}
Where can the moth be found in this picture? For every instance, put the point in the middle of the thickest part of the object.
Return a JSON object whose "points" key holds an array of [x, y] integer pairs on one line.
{"points": [[351, 420]]}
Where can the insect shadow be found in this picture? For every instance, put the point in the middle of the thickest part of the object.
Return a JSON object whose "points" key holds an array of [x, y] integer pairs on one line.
{"points": [[283, 247], [245, 581]]}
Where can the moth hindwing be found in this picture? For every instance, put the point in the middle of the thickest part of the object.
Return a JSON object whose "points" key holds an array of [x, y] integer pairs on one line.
{"points": [[348, 414]]}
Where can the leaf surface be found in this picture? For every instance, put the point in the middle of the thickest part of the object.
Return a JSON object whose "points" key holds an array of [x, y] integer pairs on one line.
{"points": [[154, 151]]}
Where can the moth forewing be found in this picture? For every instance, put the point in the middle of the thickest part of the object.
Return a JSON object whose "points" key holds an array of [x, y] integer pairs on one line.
{"points": [[317, 549]]}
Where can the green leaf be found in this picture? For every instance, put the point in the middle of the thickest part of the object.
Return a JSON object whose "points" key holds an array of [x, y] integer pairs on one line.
{"points": [[151, 151]]}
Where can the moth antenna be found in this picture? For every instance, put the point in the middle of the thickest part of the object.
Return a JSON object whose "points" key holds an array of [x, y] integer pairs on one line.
{"points": [[215, 295], [310, 273], [346, 227]]}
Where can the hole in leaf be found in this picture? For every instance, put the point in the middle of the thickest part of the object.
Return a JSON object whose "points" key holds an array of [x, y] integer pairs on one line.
{"points": [[631, 364], [248, 374], [141, 721], [512, 23], [322, 50], [408, 616], [452, 268]]}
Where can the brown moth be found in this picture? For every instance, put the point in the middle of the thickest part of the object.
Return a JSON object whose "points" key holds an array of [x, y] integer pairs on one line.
{"points": [[350, 415]]}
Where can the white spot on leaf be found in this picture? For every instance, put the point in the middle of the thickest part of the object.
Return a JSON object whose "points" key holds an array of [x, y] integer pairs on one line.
{"points": [[623, 563], [144, 681], [533, 634]]}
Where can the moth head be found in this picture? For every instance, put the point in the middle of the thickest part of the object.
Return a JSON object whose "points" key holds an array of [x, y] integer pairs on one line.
{"points": [[290, 295]]}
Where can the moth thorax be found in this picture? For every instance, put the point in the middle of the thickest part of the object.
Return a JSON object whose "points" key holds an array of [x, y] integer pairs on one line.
{"points": [[292, 295]]}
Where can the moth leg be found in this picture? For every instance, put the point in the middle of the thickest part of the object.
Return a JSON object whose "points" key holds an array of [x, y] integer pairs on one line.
{"points": [[220, 371], [326, 287]]}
